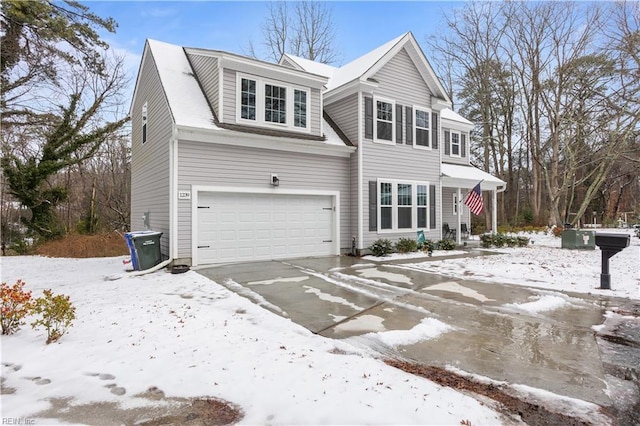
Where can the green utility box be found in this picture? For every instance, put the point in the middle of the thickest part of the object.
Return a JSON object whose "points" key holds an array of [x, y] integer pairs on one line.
{"points": [[145, 249], [577, 239]]}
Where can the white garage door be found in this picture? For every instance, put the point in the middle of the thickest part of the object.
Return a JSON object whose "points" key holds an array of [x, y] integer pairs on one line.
{"points": [[244, 227]]}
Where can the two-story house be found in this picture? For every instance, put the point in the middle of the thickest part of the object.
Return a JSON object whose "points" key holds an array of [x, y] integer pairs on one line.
{"points": [[236, 159]]}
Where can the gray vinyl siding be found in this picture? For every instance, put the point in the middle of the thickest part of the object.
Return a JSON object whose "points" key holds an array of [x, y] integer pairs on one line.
{"points": [[345, 114], [398, 162], [150, 162], [226, 165], [399, 80], [447, 208], [447, 158], [287, 63], [206, 69], [229, 96], [229, 113]]}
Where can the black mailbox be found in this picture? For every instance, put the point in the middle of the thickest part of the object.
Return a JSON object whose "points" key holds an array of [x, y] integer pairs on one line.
{"points": [[610, 244]]}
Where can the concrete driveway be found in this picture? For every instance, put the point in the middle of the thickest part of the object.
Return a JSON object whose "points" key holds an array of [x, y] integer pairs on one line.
{"points": [[349, 298]]}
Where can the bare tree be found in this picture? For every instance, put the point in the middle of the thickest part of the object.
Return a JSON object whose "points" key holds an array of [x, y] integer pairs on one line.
{"points": [[302, 28]]}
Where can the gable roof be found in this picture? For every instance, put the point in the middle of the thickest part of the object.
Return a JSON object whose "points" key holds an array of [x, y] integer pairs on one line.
{"points": [[186, 100], [367, 65], [451, 115]]}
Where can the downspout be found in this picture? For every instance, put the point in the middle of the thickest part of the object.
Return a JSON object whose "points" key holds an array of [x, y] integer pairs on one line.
{"points": [[360, 183]]}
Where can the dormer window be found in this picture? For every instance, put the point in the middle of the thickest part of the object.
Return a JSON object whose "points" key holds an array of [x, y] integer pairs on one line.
{"points": [[455, 143], [248, 99], [262, 102]]}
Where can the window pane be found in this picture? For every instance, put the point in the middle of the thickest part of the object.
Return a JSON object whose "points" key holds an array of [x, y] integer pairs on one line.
{"points": [[275, 104], [422, 119], [385, 111], [422, 137], [385, 130], [422, 195], [404, 194], [385, 194], [455, 143], [385, 218], [404, 217], [422, 217], [300, 108], [248, 99]]}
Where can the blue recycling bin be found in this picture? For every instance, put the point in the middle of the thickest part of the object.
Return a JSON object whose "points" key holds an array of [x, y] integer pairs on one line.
{"points": [[144, 247]]}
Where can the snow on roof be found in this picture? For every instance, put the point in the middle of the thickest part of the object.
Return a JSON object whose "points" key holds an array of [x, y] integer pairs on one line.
{"points": [[312, 66], [356, 68], [470, 173], [449, 114], [331, 135], [186, 99]]}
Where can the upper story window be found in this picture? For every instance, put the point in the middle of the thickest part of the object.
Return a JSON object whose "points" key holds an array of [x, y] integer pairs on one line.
{"points": [[455, 143], [384, 121], [275, 104], [422, 128], [271, 104], [144, 122], [300, 108], [248, 99]]}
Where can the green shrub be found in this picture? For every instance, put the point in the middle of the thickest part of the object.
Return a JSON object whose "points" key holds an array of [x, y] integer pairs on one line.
{"points": [[406, 245], [381, 247], [523, 241], [486, 240], [510, 241], [446, 244], [56, 314], [16, 304], [428, 246], [500, 240]]}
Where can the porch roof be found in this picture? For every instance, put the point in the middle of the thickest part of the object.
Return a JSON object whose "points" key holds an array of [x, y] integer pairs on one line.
{"points": [[459, 176]]}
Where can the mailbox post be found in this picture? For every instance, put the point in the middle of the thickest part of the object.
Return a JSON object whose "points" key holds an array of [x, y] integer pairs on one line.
{"points": [[609, 244]]}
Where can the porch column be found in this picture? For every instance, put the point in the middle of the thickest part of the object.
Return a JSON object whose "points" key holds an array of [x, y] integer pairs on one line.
{"points": [[494, 211]]}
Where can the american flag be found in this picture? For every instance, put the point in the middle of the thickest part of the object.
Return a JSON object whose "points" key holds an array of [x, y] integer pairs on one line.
{"points": [[474, 200]]}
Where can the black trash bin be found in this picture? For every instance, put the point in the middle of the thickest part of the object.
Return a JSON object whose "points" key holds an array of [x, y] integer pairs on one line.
{"points": [[145, 249]]}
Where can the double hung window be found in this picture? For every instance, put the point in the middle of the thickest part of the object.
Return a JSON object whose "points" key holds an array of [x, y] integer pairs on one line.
{"points": [[275, 104], [144, 122], [384, 121], [248, 99], [422, 128], [403, 205], [300, 108]]}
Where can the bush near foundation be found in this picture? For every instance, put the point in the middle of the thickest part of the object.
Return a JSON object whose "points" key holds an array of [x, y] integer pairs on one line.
{"points": [[381, 247], [406, 245], [446, 244], [16, 304]]}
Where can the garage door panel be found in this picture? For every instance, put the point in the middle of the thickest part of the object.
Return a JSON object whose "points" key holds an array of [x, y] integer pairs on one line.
{"points": [[244, 227]]}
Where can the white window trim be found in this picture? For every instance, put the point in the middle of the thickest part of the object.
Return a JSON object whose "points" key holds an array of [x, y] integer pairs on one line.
{"points": [[394, 206], [260, 101], [415, 127], [375, 121], [451, 133]]}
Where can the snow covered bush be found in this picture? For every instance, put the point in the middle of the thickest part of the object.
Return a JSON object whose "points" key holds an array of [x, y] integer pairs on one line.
{"points": [[16, 304], [381, 247], [406, 245], [56, 314], [446, 244]]}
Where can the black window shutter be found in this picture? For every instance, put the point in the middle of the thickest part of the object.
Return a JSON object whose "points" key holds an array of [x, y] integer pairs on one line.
{"points": [[463, 145], [409, 114], [432, 206], [447, 143], [373, 205], [398, 123], [434, 129], [368, 118]]}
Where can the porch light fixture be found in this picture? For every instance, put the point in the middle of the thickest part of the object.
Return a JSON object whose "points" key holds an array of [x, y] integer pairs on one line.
{"points": [[275, 181]]}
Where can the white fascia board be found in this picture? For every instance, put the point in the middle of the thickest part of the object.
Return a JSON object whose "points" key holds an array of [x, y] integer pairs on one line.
{"points": [[345, 90], [456, 125], [438, 103], [252, 140]]}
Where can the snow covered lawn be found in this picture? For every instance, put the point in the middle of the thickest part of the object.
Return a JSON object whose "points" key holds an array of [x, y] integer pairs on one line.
{"points": [[191, 337], [544, 264]]}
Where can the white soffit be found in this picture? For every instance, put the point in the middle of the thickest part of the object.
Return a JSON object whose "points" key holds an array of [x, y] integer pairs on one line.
{"points": [[468, 176]]}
